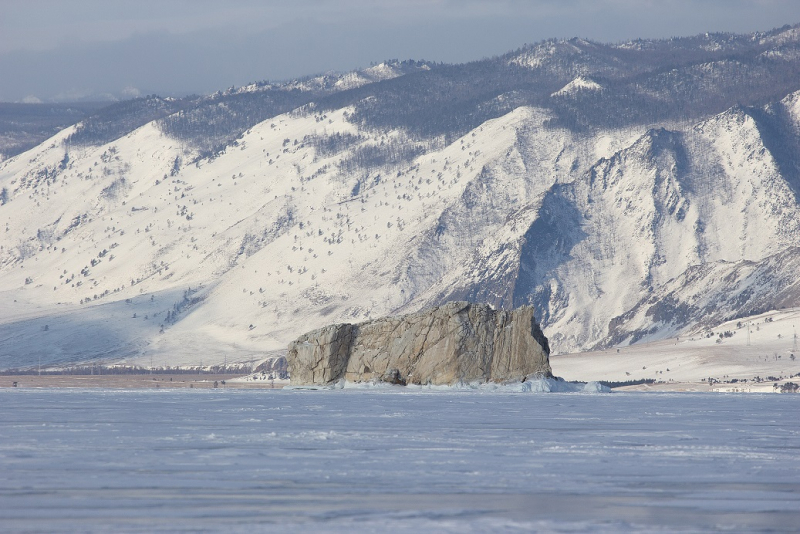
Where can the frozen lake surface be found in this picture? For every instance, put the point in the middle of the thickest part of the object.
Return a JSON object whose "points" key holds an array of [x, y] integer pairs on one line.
{"points": [[396, 461]]}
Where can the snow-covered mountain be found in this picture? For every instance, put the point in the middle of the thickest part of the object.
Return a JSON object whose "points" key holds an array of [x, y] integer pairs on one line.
{"points": [[629, 192]]}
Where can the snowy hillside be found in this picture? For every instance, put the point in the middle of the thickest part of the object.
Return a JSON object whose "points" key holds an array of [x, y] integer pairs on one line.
{"points": [[736, 360], [207, 234]]}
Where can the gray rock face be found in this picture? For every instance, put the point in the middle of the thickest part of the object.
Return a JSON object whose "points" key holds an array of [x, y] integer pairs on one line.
{"points": [[457, 341]]}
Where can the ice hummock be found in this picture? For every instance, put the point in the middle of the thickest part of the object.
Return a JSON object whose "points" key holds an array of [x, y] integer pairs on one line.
{"points": [[537, 385]]}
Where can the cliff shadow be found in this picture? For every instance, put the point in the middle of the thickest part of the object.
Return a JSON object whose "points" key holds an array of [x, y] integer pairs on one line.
{"points": [[547, 246]]}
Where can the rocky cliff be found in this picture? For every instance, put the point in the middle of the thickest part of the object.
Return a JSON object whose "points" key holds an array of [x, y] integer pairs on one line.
{"points": [[457, 341]]}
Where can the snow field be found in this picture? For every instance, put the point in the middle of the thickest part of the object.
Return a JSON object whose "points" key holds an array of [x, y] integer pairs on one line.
{"points": [[696, 356]]}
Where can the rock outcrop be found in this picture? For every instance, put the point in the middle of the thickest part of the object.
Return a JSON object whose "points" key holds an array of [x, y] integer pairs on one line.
{"points": [[457, 341]]}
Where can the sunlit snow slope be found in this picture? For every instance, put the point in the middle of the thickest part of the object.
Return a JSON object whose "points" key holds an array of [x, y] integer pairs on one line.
{"points": [[143, 249]]}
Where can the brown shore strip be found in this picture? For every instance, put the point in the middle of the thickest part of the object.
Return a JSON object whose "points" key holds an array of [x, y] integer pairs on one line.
{"points": [[134, 381]]}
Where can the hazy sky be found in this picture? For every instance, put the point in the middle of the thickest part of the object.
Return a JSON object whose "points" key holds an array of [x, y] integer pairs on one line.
{"points": [[67, 49]]}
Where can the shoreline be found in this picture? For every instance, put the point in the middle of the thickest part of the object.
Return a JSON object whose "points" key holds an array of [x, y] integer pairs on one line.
{"points": [[702, 387], [227, 381], [138, 381]]}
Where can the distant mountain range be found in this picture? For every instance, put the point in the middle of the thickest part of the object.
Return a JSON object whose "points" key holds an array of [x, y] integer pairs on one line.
{"points": [[629, 192]]}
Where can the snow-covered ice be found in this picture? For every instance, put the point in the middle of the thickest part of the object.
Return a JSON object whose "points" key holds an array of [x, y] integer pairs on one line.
{"points": [[396, 460]]}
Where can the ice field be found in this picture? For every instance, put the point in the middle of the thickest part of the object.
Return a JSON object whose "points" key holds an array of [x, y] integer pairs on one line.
{"points": [[396, 461]]}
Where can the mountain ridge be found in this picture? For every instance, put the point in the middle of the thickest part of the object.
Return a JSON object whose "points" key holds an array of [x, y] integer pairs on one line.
{"points": [[188, 244]]}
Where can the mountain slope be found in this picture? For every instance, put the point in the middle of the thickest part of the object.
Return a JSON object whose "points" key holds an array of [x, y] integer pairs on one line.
{"points": [[669, 201], [220, 229]]}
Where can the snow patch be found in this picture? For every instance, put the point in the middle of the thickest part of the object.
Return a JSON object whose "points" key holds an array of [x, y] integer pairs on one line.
{"points": [[580, 83]]}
